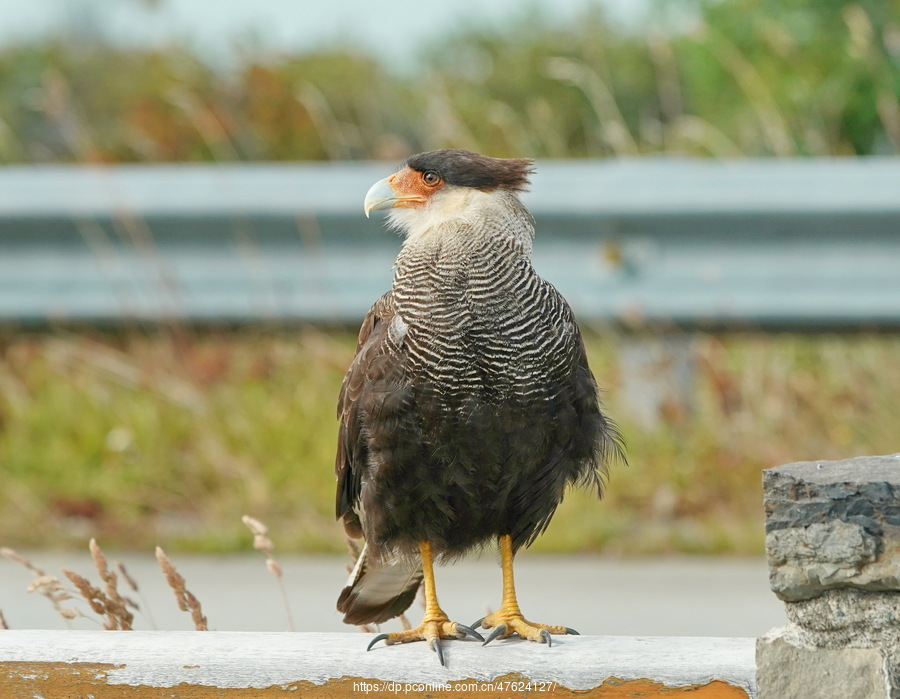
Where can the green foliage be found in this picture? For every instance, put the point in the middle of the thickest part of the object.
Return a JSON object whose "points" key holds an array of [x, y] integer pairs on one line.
{"points": [[741, 77], [797, 77], [168, 438]]}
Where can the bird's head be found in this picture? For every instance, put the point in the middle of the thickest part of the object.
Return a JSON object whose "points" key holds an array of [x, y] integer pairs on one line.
{"points": [[435, 187]]}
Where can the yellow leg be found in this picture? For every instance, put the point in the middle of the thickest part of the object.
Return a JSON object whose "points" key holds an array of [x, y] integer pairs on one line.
{"points": [[508, 619], [435, 623]]}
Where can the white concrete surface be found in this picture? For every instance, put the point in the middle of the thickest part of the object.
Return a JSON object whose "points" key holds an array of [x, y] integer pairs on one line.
{"points": [[257, 660]]}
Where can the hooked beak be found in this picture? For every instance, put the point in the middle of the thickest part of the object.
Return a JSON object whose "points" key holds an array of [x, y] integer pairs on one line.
{"points": [[383, 194], [380, 196]]}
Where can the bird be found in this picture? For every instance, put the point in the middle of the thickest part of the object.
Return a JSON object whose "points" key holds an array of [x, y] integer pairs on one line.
{"points": [[469, 406]]}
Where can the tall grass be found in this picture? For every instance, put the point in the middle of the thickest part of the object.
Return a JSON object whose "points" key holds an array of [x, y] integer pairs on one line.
{"points": [[744, 77], [152, 438]]}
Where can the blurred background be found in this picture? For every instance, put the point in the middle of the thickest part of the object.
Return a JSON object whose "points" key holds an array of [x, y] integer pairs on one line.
{"points": [[184, 262]]}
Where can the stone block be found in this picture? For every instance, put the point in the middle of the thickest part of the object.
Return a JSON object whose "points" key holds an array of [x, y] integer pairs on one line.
{"points": [[847, 615], [833, 524], [850, 618], [787, 667]]}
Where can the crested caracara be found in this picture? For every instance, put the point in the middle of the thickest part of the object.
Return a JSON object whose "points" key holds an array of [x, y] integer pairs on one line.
{"points": [[469, 406]]}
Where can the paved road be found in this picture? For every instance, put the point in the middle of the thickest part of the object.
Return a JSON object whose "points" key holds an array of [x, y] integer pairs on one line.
{"points": [[642, 597]]}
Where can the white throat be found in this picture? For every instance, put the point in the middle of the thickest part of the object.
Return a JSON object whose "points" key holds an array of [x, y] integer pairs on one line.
{"points": [[456, 205]]}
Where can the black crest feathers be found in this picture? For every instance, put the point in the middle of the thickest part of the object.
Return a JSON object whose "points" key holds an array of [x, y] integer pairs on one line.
{"points": [[467, 169]]}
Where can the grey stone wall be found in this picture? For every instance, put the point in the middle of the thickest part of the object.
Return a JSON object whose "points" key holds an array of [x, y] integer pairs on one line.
{"points": [[833, 549]]}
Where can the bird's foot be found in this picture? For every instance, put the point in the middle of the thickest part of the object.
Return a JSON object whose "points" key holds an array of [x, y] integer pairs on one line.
{"points": [[430, 630], [508, 622]]}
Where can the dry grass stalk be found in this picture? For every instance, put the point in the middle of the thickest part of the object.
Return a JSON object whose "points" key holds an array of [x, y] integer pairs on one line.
{"points": [[93, 595], [132, 583], [47, 585], [262, 542], [101, 604], [116, 605], [3, 625], [186, 599]]}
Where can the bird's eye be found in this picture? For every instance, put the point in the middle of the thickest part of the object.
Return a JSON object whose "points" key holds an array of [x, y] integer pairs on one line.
{"points": [[431, 178]]}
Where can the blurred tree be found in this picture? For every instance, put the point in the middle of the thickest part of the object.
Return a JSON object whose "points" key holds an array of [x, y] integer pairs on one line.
{"points": [[738, 77], [542, 89], [791, 77]]}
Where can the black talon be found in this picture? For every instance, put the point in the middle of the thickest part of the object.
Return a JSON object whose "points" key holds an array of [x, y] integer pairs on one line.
{"points": [[468, 632], [436, 647], [478, 623], [496, 632], [572, 632], [379, 637], [546, 636]]}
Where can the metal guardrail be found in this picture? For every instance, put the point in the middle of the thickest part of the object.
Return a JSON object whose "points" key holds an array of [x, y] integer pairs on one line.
{"points": [[794, 244]]}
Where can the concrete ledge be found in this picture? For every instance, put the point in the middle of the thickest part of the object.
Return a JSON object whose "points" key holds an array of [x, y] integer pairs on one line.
{"points": [[221, 663]]}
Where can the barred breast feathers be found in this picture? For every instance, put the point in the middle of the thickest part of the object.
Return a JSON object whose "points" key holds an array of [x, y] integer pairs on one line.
{"points": [[471, 303]]}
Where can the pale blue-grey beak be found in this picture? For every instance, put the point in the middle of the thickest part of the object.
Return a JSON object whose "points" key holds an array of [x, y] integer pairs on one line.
{"points": [[380, 196]]}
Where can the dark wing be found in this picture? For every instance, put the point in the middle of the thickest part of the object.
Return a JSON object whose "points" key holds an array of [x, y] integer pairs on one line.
{"points": [[378, 589], [352, 448], [584, 440]]}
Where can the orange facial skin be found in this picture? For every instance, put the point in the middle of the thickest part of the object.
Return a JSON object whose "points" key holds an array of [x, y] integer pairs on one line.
{"points": [[411, 189]]}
